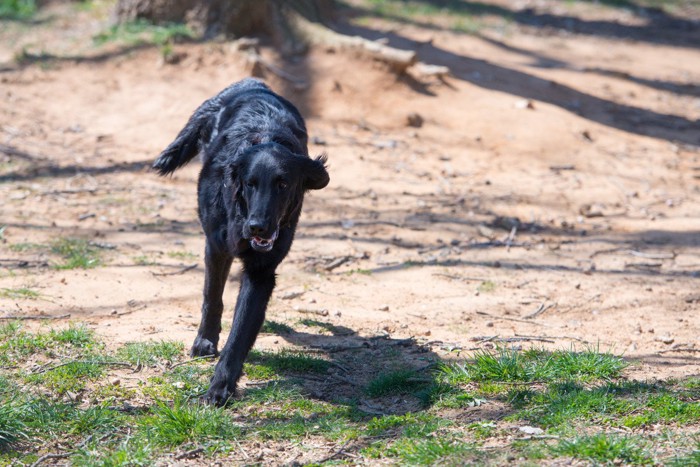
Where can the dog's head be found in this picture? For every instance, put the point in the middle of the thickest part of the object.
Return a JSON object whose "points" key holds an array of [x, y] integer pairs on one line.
{"points": [[268, 182]]}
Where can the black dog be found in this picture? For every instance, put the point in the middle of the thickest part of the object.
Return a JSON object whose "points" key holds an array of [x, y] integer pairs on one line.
{"points": [[256, 168]]}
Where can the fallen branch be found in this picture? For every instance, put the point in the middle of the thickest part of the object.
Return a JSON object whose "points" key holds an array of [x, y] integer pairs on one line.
{"points": [[175, 273], [87, 362], [483, 313], [541, 309], [46, 457], [195, 359], [311, 311], [188, 454], [23, 318], [555, 337]]}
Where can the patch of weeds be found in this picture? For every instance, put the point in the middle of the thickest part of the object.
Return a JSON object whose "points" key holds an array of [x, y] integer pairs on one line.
{"points": [[605, 449], [665, 408], [431, 451], [442, 395], [22, 247], [182, 255], [486, 287], [75, 336], [482, 430], [288, 361], [9, 328], [131, 451], [143, 260], [364, 272], [273, 327], [12, 426], [20, 345], [691, 458], [22, 293], [142, 32], [69, 377], [76, 253], [17, 9], [181, 422], [259, 372], [332, 425], [333, 329], [274, 392], [395, 382], [506, 365], [151, 353], [410, 425]]}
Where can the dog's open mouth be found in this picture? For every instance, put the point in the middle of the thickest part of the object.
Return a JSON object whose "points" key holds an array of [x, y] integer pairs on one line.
{"points": [[264, 244]]}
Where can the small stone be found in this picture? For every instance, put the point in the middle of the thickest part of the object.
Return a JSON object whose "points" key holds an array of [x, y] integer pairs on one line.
{"points": [[115, 382], [489, 324], [384, 308]]}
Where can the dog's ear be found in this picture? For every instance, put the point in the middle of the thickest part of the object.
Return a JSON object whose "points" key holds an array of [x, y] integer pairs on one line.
{"points": [[315, 173]]}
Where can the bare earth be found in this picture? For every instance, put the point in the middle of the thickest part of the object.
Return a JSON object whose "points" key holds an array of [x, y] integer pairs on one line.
{"points": [[550, 195]]}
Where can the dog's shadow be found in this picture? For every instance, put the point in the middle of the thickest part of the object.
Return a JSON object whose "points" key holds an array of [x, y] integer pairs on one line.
{"points": [[378, 375]]}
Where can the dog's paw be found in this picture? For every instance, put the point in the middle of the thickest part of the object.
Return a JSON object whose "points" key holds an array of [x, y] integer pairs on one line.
{"points": [[219, 393], [203, 348]]}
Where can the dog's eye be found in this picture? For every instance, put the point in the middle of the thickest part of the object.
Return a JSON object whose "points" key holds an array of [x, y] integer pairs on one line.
{"points": [[251, 183], [282, 185]]}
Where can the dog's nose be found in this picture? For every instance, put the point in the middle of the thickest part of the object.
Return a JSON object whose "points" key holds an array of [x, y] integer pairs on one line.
{"points": [[257, 229]]}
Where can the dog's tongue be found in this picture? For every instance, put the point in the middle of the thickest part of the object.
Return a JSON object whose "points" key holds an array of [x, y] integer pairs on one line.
{"points": [[262, 241]]}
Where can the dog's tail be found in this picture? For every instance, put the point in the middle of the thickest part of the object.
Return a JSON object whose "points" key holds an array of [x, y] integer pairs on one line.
{"points": [[200, 127], [189, 141]]}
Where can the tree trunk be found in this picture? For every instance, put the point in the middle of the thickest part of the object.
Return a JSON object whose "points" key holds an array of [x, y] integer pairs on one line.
{"points": [[276, 19]]}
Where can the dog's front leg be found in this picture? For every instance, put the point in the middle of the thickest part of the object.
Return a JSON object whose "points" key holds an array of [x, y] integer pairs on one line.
{"points": [[217, 266], [256, 288]]}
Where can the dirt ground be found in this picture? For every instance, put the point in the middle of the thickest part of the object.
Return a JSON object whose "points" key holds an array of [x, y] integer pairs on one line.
{"points": [[549, 197]]}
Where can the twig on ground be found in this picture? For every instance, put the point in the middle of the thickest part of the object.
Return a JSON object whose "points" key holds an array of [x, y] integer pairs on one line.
{"points": [[87, 362], [35, 317], [680, 349], [483, 313], [174, 273], [511, 237], [554, 337], [510, 339], [641, 254], [544, 306], [188, 454], [335, 453], [460, 278], [311, 311], [45, 457], [191, 360]]}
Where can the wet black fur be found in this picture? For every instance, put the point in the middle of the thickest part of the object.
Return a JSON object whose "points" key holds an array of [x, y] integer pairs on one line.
{"points": [[256, 168]]}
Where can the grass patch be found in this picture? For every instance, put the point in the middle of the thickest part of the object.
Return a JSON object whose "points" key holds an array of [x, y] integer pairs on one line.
{"points": [[17, 9], [183, 421], [76, 253], [505, 365], [273, 327], [142, 32], [46, 398], [151, 353], [603, 448], [434, 451], [182, 255], [22, 293], [395, 382], [285, 361]]}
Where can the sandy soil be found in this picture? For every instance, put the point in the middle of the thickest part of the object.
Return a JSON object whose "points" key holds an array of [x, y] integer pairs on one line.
{"points": [[549, 198]]}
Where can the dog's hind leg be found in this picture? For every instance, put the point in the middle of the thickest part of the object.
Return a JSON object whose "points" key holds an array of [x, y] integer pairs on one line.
{"points": [[217, 266], [253, 297]]}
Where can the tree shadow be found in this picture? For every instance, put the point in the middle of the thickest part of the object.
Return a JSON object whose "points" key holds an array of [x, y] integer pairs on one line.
{"points": [[495, 77], [659, 27]]}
